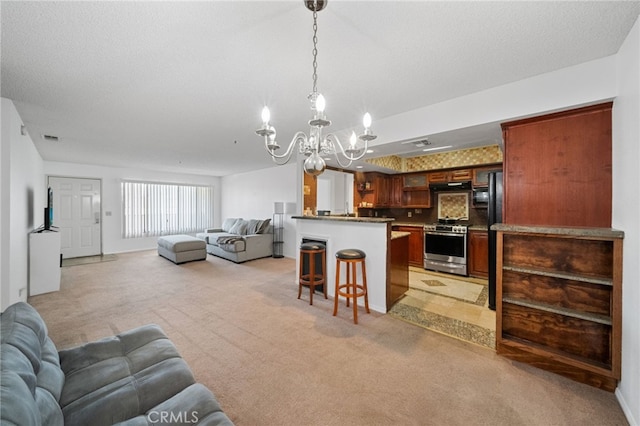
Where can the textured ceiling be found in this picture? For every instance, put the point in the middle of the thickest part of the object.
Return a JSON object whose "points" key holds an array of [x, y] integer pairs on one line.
{"points": [[178, 86]]}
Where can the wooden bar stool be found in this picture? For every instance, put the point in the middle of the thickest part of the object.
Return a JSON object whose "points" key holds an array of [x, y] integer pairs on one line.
{"points": [[351, 289], [311, 278]]}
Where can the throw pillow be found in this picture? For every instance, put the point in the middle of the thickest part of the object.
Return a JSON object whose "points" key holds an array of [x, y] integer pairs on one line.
{"points": [[253, 227], [264, 226], [239, 228], [228, 223]]}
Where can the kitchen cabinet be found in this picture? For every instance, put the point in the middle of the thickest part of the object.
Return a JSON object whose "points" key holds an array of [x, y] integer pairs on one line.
{"points": [[557, 168], [416, 193], [396, 189], [559, 300], [373, 189], [417, 199], [415, 181], [398, 270], [461, 175], [478, 254], [416, 243], [480, 176]]}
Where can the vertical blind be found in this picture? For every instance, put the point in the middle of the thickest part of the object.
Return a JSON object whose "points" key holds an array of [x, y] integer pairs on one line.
{"points": [[150, 209]]}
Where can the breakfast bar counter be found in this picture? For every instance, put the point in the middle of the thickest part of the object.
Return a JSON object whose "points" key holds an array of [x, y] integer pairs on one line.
{"points": [[370, 234]]}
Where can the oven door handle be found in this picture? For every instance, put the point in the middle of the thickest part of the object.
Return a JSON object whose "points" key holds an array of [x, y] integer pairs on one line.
{"points": [[445, 234]]}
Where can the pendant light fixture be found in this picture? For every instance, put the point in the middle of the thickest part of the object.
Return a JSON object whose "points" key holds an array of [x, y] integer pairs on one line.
{"points": [[314, 145]]}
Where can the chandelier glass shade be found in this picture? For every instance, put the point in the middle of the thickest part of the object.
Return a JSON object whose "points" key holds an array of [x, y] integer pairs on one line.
{"points": [[315, 144]]}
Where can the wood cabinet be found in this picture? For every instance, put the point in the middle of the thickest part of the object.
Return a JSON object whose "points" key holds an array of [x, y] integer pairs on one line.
{"points": [[395, 188], [478, 254], [559, 300], [480, 175], [416, 243], [415, 181], [416, 193], [460, 175], [557, 169], [444, 176], [373, 189], [398, 283], [417, 199]]}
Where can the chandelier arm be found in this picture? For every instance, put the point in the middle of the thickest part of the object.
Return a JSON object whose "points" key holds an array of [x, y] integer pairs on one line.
{"points": [[343, 165], [298, 137], [351, 157]]}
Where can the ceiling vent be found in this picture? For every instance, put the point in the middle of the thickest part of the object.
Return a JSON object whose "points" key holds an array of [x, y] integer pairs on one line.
{"points": [[419, 143], [50, 138]]}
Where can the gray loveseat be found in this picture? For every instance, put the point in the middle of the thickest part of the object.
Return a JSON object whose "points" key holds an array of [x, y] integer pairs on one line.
{"points": [[240, 240], [134, 378]]}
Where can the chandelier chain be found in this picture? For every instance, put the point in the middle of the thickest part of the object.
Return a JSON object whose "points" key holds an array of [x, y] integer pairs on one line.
{"points": [[315, 52]]}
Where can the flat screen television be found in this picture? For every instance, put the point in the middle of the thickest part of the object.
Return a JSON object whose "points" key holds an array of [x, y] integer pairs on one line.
{"points": [[48, 211]]}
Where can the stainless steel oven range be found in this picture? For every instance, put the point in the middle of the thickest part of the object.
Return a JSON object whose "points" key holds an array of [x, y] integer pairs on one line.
{"points": [[445, 248]]}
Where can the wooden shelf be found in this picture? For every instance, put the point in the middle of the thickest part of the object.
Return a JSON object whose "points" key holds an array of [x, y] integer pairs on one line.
{"points": [[560, 275], [559, 302], [600, 319]]}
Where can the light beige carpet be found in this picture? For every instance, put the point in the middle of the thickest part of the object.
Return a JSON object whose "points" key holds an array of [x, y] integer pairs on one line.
{"points": [[272, 359], [86, 260]]}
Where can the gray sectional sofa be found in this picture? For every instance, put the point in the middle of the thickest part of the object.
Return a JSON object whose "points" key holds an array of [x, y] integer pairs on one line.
{"points": [[240, 240], [134, 378]]}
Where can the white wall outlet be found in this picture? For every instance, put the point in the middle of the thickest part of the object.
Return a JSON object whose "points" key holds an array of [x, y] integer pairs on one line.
{"points": [[408, 214]]}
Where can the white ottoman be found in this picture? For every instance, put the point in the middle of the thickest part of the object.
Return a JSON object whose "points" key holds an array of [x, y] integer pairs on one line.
{"points": [[182, 248]]}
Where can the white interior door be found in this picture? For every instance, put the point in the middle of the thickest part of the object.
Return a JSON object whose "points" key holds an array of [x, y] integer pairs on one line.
{"points": [[76, 214]]}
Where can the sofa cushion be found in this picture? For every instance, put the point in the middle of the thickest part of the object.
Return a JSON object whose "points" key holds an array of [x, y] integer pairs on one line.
{"points": [[195, 404], [121, 377], [239, 228], [264, 226], [30, 367], [253, 226], [228, 223]]}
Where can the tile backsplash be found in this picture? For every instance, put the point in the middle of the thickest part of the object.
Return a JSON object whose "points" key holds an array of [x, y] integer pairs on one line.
{"points": [[453, 205]]}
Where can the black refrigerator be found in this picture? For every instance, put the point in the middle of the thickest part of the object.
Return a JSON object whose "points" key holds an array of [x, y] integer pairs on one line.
{"points": [[494, 215]]}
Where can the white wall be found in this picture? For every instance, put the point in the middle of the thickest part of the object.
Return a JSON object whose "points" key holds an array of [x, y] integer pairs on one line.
{"points": [[111, 177], [575, 86], [626, 205], [22, 189], [251, 196]]}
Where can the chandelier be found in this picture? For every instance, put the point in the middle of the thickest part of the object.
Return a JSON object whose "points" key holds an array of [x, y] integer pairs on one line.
{"points": [[315, 145]]}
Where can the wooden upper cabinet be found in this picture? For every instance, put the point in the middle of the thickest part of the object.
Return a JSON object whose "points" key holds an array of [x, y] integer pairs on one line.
{"points": [[461, 175], [415, 181], [480, 176], [373, 188], [439, 177], [395, 188], [557, 169]]}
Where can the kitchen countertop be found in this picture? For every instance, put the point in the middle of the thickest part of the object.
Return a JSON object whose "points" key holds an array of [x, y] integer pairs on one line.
{"points": [[417, 225], [348, 219], [399, 234], [560, 230]]}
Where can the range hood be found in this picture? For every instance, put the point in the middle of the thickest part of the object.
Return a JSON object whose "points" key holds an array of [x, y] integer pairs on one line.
{"points": [[451, 186]]}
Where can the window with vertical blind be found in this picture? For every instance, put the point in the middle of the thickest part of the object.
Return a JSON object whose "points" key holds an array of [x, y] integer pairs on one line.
{"points": [[150, 209]]}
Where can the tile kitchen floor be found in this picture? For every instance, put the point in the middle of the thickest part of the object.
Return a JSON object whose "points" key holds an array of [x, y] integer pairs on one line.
{"points": [[453, 308], [450, 314]]}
